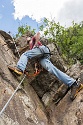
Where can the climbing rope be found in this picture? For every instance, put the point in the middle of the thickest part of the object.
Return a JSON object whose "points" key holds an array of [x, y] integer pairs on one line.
{"points": [[11, 96], [16, 48], [16, 88], [30, 75]]}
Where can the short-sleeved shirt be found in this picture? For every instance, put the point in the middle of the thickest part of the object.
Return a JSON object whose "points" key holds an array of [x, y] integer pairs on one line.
{"points": [[32, 43]]}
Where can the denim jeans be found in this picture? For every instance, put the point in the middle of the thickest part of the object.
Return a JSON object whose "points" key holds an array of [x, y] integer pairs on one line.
{"points": [[45, 63]]}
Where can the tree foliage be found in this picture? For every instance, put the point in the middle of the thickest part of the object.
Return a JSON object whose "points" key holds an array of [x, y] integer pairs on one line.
{"points": [[24, 29], [69, 41]]}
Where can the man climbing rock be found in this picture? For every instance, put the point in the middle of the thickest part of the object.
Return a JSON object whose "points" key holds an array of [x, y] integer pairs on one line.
{"points": [[38, 50]]}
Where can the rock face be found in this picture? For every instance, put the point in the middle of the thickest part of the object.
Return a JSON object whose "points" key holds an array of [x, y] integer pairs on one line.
{"points": [[29, 105], [25, 107]]}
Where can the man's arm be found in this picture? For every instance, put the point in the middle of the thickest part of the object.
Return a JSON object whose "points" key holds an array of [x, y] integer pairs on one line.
{"points": [[37, 37]]}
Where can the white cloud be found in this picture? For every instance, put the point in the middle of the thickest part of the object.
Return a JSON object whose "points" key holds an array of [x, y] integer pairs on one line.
{"points": [[72, 11], [38, 9]]}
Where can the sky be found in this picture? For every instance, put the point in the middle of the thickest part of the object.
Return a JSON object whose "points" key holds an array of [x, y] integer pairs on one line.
{"points": [[15, 13]]}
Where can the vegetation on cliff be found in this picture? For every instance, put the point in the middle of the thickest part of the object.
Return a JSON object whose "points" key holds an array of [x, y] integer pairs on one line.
{"points": [[69, 41]]}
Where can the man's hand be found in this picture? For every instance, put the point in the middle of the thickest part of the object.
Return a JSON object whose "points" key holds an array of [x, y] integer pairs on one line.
{"points": [[37, 36]]}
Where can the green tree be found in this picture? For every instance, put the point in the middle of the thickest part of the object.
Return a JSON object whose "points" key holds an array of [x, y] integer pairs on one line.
{"points": [[24, 29], [69, 41]]}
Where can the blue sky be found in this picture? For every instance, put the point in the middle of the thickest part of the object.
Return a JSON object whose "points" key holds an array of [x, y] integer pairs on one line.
{"points": [[14, 13], [7, 21]]}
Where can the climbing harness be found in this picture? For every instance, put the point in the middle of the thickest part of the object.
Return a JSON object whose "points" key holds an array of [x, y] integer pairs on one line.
{"points": [[42, 51]]}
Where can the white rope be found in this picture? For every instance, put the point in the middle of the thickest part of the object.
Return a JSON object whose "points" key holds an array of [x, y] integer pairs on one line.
{"points": [[16, 48], [12, 96], [16, 88]]}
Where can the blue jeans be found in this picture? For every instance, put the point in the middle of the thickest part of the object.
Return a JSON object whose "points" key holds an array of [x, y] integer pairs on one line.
{"points": [[45, 63]]}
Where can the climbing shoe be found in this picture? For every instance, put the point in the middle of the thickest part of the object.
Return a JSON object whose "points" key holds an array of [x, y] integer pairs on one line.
{"points": [[75, 88], [15, 70]]}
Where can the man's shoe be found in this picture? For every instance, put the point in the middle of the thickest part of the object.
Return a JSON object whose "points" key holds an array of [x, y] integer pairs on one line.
{"points": [[18, 71], [75, 88], [15, 70]]}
